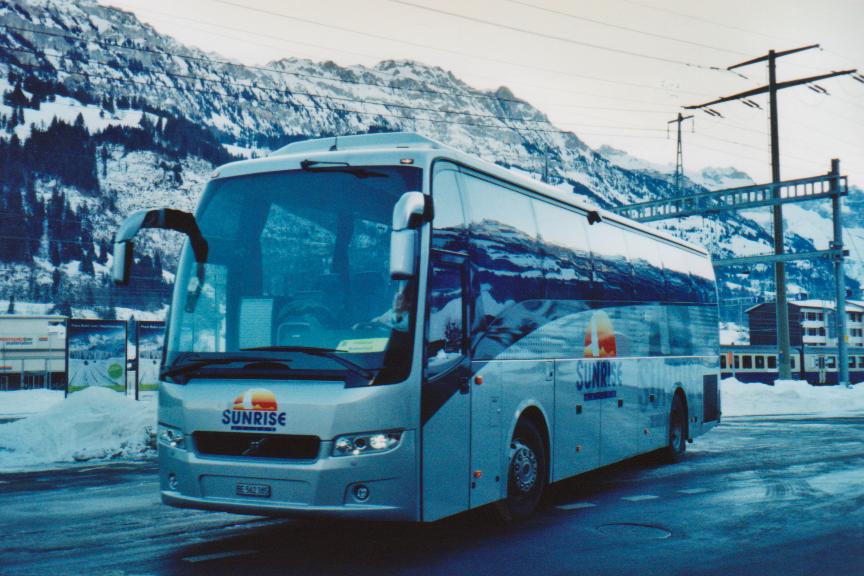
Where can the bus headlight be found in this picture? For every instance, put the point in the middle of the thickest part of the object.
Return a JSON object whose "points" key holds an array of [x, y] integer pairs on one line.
{"points": [[171, 437], [369, 443]]}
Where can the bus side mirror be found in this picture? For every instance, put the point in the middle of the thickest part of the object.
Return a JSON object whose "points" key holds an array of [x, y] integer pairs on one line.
{"points": [[409, 213], [122, 262], [164, 218]]}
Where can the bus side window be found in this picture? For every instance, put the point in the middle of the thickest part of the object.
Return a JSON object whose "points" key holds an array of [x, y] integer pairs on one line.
{"points": [[613, 274], [831, 362], [737, 361], [748, 361], [772, 362], [760, 361], [446, 328], [723, 361], [448, 227]]}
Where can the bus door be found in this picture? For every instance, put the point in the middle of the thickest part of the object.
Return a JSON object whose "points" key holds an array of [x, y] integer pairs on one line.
{"points": [[445, 397], [619, 416], [488, 474]]}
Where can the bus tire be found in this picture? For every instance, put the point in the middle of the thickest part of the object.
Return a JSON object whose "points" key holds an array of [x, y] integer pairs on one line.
{"points": [[527, 474], [677, 440]]}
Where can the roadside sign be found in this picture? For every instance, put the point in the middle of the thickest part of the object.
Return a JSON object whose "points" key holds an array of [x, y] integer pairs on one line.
{"points": [[96, 354], [149, 339]]}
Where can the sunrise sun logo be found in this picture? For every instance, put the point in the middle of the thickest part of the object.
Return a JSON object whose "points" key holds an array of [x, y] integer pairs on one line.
{"points": [[254, 410], [600, 336]]}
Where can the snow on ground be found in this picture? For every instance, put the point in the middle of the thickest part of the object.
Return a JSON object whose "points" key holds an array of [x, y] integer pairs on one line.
{"points": [[94, 424], [99, 424], [732, 334], [789, 397], [18, 403]]}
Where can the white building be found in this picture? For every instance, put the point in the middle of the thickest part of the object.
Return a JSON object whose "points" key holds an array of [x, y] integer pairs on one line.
{"points": [[811, 323]]}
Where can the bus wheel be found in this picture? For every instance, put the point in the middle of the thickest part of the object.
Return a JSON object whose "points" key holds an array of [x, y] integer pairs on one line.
{"points": [[526, 474], [677, 443]]}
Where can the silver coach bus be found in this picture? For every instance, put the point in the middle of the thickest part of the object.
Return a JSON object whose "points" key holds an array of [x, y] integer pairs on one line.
{"points": [[384, 327]]}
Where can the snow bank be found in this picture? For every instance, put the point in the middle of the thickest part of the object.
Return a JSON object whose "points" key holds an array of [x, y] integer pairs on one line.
{"points": [[94, 424], [17, 403], [789, 397]]}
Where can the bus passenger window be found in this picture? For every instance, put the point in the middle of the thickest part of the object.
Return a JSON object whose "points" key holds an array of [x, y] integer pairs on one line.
{"points": [[831, 362], [723, 361], [772, 362], [737, 361], [748, 361], [760, 362], [449, 223], [446, 328]]}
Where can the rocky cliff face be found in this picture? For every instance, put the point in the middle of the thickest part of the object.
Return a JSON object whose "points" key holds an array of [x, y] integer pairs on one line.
{"points": [[102, 115]]}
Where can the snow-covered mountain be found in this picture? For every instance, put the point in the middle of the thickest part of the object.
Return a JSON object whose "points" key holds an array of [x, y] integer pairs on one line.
{"points": [[712, 178], [102, 115]]}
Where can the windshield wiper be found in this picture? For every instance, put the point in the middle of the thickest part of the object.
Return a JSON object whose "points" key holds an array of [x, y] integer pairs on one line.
{"points": [[330, 353], [324, 166], [183, 368]]}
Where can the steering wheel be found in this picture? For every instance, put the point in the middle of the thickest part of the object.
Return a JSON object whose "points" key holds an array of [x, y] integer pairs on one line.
{"points": [[299, 308]]}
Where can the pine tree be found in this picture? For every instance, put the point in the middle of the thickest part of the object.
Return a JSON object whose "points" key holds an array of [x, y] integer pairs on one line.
{"points": [[64, 308], [16, 97], [87, 261], [16, 237], [56, 284]]}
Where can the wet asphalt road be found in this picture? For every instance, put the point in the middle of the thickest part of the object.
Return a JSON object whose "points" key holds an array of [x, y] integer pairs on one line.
{"points": [[754, 496]]}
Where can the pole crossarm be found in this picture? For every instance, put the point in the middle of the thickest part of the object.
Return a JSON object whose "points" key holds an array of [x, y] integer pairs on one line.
{"points": [[680, 119], [745, 197], [776, 55], [831, 253], [765, 89]]}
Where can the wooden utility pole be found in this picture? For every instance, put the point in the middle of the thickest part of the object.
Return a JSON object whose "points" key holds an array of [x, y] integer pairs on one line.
{"points": [[771, 89]]}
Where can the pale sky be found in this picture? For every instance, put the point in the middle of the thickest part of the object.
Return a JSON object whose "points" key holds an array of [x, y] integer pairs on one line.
{"points": [[658, 59]]}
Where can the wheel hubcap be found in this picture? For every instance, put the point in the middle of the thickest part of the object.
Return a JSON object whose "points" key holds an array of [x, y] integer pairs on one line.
{"points": [[523, 466]]}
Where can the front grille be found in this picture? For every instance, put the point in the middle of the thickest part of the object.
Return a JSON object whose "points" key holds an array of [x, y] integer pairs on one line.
{"points": [[257, 445]]}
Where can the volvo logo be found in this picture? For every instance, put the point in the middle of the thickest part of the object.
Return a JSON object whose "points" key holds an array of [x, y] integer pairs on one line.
{"points": [[254, 446]]}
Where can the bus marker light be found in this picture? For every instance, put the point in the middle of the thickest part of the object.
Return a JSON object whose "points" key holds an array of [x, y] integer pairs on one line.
{"points": [[478, 474], [578, 448], [406, 161], [478, 379]]}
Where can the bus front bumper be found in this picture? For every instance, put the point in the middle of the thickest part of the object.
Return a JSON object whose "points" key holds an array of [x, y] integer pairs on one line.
{"points": [[369, 486]]}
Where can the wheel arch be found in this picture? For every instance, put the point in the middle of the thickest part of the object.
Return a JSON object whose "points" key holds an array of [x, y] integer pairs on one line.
{"points": [[680, 393], [535, 413]]}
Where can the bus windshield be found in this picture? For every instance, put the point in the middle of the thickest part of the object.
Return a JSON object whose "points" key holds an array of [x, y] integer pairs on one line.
{"points": [[297, 271]]}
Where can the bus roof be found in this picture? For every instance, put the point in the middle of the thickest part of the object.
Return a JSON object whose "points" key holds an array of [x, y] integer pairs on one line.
{"points": [[393, 143]]}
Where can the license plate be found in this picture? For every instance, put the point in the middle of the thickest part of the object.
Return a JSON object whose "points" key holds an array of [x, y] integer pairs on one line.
{"points": [[255, 490]]}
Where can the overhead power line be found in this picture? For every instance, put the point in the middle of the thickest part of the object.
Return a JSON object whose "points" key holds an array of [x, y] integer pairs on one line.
{"points": [[624, 28], [298, 105], [220, 82], [387, 74], [772, 88], [532, 67], [449, 87], [289, 104], [563, 39]]}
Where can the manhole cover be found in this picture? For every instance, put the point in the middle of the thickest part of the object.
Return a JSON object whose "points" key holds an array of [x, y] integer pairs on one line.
{"points": [[634, 531]]}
